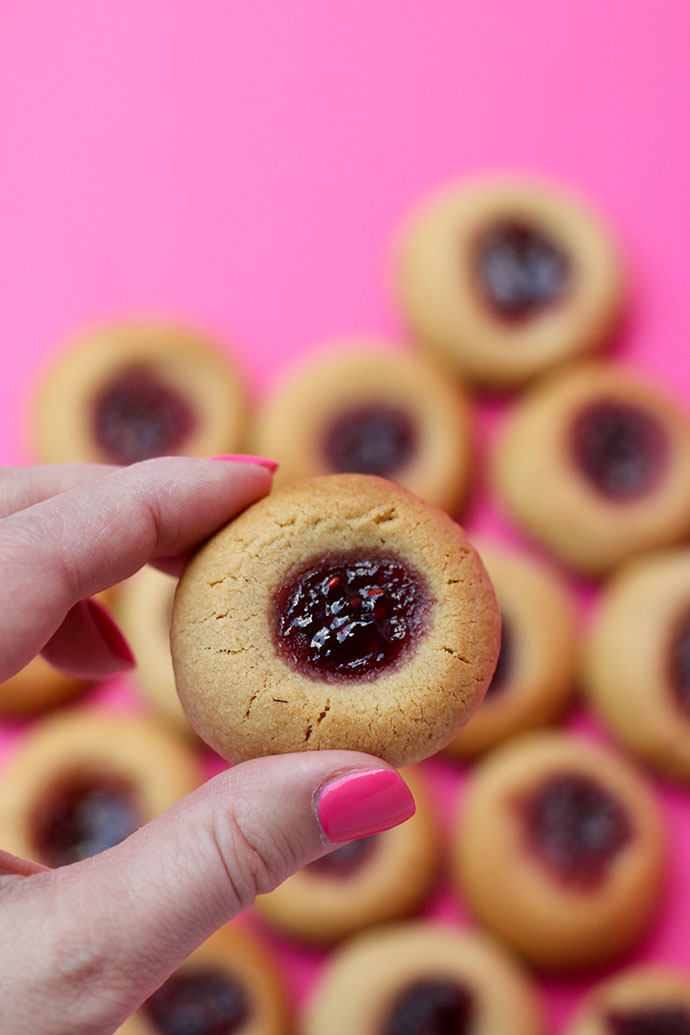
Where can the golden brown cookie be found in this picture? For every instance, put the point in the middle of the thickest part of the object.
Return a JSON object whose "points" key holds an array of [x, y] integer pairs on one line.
{"points": [[636, 664], [131, 391], [421, 977], [644, 1000], [229, 985], [560, 850], [82, 781], [534, 675], [503, 278], [143, 611], [342, 612], [36, 688], [365, 411], [595, 464], [369, 881]]}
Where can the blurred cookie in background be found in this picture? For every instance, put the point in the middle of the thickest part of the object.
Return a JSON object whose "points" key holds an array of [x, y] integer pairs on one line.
{"points": [[230, 984], [503, 278], [636, 661], [39, 687], [82, 781], [411, 978], [369, 881], [533, 680], [36, 688], [559, 849], [131, 391], [644, 1000], [595, 464], [143, 612], [361, 410]]}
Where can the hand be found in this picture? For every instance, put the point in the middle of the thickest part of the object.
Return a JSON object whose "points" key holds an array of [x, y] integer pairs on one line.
{"points": [[84, 945]]}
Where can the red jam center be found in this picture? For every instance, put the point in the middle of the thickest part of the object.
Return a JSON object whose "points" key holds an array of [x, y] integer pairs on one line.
{"points": [[346, 861], [432, 1007], [502, 671], [621, 449], [350, 616], [575, 828], [202, 1002], [370, 440], [136, 417], [652, 1020], [521, 270], [82, 815], [679, 662]]}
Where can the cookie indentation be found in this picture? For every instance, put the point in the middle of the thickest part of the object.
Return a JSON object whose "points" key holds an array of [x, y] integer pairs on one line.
{"points": [[432, 1007], [374, 439], [520, 269], [679, 662], [136, 417], [575, 827], [652, 1020], [503, 670], [350, 617], [81, 815], [200, 1002], [345, 861], [621, 449]]}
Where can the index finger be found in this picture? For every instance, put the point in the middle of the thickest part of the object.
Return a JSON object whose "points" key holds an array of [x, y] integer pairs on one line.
{"points": [[84, 540]]}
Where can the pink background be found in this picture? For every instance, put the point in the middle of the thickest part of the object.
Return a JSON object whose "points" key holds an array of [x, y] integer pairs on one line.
{"points": [[243, 166]]}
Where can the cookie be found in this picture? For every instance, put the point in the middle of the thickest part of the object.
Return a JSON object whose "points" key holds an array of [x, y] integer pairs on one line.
{"points": [[644, 1000], [83, 781], [595, 464], [364, 411], [132, 391], [420, 977], [366, 882], [636, 662], [229, 985], [560, 850], [36, 688], [503, 278], [342, 612], [533, 680], [143, 612]]}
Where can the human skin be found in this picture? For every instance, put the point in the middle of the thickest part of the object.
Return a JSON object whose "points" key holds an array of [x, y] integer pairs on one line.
{"points": [[85, 944]]}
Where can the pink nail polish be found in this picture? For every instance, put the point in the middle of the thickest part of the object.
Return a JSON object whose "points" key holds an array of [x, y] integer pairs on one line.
{"points": [[245, 458], [365, 801], [110, 632]]}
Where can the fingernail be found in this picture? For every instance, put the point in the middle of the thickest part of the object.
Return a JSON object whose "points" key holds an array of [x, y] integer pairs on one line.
{"points": [[363, 802], [245, 458], [110, 632]]}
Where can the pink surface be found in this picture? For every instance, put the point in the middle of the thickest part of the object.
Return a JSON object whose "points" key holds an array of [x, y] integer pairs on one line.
{"points": [[243, 166]]}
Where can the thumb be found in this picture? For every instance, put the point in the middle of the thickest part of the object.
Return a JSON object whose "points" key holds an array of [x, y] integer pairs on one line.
{"points": [[115, 926]]}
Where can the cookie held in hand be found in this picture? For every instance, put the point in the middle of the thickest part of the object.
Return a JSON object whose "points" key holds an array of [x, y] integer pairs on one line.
{"points": [[340, 613]]}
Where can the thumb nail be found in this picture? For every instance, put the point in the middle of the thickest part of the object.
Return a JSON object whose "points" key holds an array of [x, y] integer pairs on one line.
{"points": [[363, 802]]}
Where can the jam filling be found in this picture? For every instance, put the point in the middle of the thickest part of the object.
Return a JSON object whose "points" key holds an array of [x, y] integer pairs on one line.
{"points": [[521, 270], [575, 827], [370, 440], [347, 860], [679, 662], [350, 616], [621, 449], [504, 664], [432, 1007], [136, 417], [200, 1002], [652, 1020], [81, 815]]}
